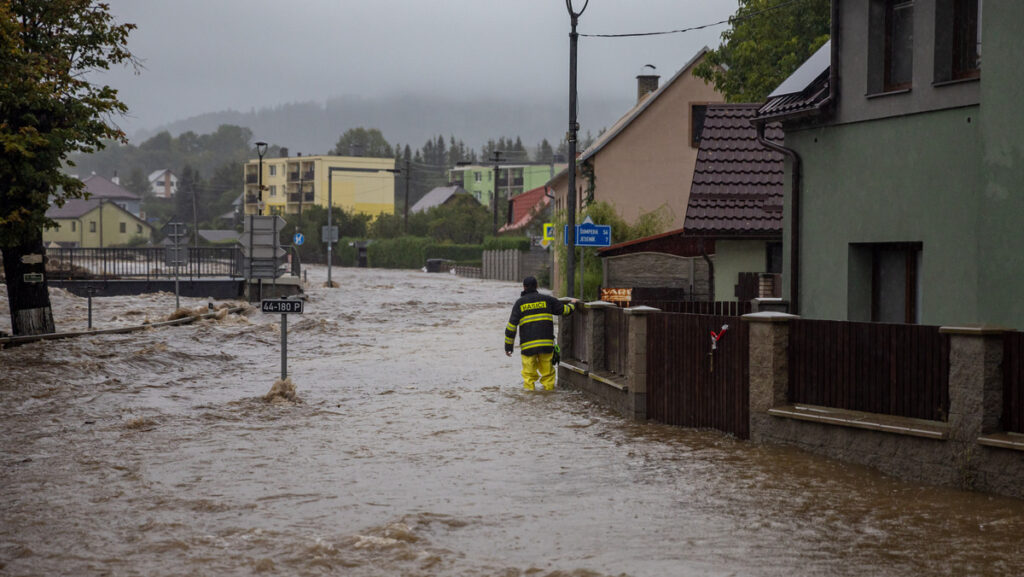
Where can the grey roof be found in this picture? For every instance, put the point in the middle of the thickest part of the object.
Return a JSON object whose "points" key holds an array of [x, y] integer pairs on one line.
{"points": [[99, 187], [73, 208], [218, 235], [437, 197]]}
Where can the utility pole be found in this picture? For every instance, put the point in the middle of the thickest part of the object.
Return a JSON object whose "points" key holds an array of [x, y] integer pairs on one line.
{"points": [[574, 127], [496, 158], [408, 177]]}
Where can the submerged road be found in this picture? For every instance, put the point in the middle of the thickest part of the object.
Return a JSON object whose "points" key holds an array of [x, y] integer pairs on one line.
{"points": [[414, 451]]}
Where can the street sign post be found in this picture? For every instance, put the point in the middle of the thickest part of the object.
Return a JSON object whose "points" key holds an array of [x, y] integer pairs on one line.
{"points": [[175, 255], [588, 234], [298, 239], [329, 234], [261, 246], [285, 307]]}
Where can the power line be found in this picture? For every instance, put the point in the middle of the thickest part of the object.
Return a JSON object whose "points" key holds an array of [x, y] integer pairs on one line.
{"points": [[731, 19]]}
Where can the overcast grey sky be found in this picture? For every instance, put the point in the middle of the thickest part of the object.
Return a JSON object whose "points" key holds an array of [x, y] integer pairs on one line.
{"points": [[210, 55]]}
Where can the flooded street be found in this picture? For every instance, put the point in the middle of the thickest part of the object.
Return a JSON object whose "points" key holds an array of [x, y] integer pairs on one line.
{"points": [[414, 451]]}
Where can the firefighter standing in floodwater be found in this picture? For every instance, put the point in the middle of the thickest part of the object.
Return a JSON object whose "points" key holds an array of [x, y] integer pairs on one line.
{"points": [[534, 316]]}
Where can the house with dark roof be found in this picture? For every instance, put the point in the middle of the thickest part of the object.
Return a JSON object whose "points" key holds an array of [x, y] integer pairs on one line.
{"points": [[736, 199], [730, 247], [437, 197], [644, 162], [99, 187], [95, 223], [904, 196]]}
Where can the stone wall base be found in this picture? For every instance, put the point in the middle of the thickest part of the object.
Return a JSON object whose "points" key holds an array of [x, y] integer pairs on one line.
{"points": [[942, 462]]}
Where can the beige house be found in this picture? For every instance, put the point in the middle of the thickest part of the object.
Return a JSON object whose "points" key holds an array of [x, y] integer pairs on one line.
{"points": [[645, 161], [95, 223]]}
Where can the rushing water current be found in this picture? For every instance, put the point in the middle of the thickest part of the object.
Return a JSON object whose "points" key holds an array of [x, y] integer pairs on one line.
{"points": [[414, 451]]}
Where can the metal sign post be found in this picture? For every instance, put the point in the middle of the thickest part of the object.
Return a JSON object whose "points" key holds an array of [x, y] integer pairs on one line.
{"points": [[588, 234], [174, 255], [285, 307]]}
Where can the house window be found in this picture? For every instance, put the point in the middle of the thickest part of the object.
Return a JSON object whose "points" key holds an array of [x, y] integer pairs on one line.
{"points": [[92, 226], [697, 114], [273, 170], [124, 228], [957, 39], [138, 228], [899, 44], [273, 190], [884, 285], [74, 226], [477, 177]]}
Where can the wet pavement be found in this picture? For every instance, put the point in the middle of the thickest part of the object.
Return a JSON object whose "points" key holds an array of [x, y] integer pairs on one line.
{"points": [[414, 451]]}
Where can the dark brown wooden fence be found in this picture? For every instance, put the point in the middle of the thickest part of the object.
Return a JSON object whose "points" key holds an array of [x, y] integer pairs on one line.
{"points": [[719, 308], [1013, 382], [686, 385], [616, 335], [890, 369], [749, 286]]}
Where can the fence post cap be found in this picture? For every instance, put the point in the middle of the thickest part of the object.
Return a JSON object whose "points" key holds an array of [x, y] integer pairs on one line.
{"points": [[769, 317], [599, 305], [641, 310], [978, 330]]}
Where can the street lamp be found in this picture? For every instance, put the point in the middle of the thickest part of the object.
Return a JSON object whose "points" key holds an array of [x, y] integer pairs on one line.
{"points": [[261, 149], [573, 129], [494, 202]]}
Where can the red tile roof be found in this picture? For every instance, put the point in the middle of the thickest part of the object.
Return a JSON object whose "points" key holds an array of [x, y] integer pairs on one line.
{"points": [[737, 183], [526, 206]]}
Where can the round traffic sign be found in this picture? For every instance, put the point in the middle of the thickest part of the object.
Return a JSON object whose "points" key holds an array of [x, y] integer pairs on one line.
{"points": [[298, 239]]}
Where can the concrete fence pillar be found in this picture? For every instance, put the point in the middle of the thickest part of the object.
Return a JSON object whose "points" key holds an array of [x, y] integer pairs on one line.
{"points": [[975, 381], [768, 365], [636, 359], [595, 334]]}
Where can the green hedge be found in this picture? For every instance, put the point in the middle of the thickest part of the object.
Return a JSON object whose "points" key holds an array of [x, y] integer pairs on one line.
{"points": [[520, 243], [456, 252], [403, 252]]}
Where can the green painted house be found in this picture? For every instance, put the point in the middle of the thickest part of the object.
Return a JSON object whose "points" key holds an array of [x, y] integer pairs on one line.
{"points": [[513, 178], [905, 165]]}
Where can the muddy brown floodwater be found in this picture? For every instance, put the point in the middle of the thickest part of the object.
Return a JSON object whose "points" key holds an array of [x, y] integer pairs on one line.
{"points": [[414, 452]]}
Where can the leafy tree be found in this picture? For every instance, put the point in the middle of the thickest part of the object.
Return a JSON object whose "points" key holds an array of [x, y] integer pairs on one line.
{"points": [[49, 108], [362, 142], [764, 46]]}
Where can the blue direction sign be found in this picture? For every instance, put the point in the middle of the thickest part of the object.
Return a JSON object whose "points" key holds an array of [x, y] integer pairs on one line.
{"points": [[590, 234], [298, 239]]}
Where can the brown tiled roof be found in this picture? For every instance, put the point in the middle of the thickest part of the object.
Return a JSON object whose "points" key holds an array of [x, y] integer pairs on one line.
{"points": [[737, 183]]}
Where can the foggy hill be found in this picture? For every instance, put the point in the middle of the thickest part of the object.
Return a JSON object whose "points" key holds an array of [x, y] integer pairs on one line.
{"points": [[314, 128]]}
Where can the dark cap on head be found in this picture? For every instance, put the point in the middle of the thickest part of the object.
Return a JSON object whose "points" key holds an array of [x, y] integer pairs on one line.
{"points": [[530, 283]]}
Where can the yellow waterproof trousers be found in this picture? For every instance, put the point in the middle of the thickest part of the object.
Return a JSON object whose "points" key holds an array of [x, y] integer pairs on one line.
{"points": [[533, 364]]}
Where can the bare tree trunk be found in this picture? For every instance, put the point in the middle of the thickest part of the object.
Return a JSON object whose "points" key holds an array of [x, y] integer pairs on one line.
{"points": [[27, 293]]}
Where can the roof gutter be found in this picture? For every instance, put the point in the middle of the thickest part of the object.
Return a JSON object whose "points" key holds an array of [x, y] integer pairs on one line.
{"points": [[759, 123]]}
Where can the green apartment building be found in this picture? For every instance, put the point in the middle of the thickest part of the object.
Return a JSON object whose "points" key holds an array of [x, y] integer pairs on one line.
{"points": [[513, 178], [908, 148]]}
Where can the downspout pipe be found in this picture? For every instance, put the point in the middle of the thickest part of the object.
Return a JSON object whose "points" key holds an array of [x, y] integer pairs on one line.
{"points": [[794, 233], [794, 229]]}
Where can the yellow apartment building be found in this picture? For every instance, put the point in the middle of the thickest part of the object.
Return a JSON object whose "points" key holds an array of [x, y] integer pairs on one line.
{"points": [[94, 224], [356, 184]]}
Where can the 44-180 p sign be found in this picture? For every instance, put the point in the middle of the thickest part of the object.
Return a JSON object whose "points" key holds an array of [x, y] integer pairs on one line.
{"points": [[281, 306]]}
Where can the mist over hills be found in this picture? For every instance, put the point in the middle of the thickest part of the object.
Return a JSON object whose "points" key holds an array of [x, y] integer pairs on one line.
{"points": [[314, 128]]}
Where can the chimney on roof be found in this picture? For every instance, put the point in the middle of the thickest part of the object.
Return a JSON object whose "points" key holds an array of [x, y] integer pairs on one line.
{"points": [[646, 82], [116, 179]]}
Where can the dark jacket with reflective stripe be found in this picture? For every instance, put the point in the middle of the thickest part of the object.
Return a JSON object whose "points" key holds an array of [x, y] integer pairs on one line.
{"points": [[534, 316]]}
